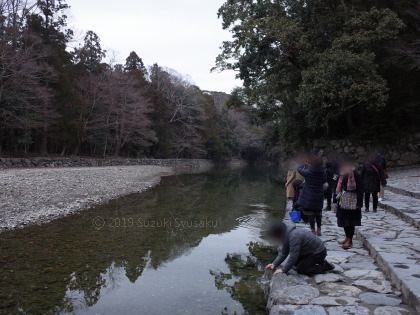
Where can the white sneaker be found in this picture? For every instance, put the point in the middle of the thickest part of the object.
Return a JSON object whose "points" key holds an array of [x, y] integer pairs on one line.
{"points": [[380, 199]]}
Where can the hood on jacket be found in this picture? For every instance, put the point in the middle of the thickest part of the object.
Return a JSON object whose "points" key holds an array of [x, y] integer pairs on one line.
{"points": [[289, 228]]}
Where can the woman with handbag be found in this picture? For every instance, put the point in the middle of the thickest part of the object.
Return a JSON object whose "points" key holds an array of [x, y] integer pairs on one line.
{"points": [[373, 178], [349, 200]]}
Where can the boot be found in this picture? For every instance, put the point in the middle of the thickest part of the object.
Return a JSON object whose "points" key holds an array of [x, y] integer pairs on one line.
{"points": [[366, 210], [326, 266], [318, 232], [343, 241], [348, 244], [375, 210], [313, 231]]}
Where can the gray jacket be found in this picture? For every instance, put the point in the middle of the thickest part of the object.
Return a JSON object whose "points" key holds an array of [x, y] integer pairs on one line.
{"points": [[297, 243]]}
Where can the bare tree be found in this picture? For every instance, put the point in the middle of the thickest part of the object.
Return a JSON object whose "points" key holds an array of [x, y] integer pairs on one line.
{"points": [[127, 110], [25, 101], [185, 102]]}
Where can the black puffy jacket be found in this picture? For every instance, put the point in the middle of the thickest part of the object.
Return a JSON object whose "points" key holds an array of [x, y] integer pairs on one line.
{"points": [[373, 176], [312, 196]]}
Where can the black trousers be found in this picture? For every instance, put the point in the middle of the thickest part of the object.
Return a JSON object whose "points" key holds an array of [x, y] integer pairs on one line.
{"points": [[313, 219], [297, 186], [328, 195], [349, 230], [374, 199], [312, 264]]}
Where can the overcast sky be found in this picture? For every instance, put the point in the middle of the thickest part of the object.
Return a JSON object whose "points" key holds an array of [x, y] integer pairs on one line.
{"points": [[181, 34]]}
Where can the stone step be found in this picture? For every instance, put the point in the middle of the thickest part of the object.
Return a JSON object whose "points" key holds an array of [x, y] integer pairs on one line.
{"points": [[405, 207], [395, 246], [403, 191]]}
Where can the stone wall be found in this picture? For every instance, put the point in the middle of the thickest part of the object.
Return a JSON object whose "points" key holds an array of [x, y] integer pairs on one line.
{"points": [[182, 165], [404, 153]]}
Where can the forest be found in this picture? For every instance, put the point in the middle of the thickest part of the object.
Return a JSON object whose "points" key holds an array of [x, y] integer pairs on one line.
{"points": [[330, 69], [59, 100], [311, 69]]}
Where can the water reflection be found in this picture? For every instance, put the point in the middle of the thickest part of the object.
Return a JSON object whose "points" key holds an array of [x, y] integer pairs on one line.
{"points": [[247, 282], [68, 266]]}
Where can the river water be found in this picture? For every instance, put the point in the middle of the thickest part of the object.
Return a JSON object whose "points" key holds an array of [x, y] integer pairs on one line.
{"points": [[192, 245]]}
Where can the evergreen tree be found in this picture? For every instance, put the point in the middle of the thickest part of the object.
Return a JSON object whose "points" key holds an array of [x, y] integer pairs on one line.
{"points": [[134, 62], [321, 69], [91, 54]]}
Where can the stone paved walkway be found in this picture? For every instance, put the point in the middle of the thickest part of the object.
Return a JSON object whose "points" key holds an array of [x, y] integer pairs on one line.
{"points": [[405, 182], [405, 207], [356, 286], [393, 236], [395, 245], [379, 275]]}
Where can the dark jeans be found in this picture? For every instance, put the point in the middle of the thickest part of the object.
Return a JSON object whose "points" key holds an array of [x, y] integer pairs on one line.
{"points": [[349, 230], [297, 186], [312, 219], [312, 264], [328, 195], [374, 198]]}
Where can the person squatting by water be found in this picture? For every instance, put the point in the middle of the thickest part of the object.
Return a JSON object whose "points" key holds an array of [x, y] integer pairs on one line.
{"points": [[311, 199], [349, 201], [305, 250]]}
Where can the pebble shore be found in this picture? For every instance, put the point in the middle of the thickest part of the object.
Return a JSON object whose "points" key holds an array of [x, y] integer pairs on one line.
{"points": [[40, 195]]}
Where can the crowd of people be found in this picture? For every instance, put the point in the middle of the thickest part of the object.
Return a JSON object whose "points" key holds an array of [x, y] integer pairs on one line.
{"points": [[310, 181]]}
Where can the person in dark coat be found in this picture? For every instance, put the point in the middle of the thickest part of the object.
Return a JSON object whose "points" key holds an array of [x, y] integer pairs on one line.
{"points": [[381, 160], [349, 216], [311, 198], [328, 193], [297, 185], [373, 177], [305, 251]]}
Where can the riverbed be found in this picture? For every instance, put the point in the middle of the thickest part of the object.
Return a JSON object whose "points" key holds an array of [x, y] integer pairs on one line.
{"points": [[192, 245], [39, 195]]}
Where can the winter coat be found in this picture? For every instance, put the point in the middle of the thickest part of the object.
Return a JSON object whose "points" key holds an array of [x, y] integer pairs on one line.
{"points": [[380, 159], [290, 191], [330, 177], [294, 175], [373, 176], [298, 243], [349, 218], [312, 196]]}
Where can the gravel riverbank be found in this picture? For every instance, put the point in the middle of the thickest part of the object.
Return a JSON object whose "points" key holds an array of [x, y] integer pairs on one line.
{"points": [[39, 195]]}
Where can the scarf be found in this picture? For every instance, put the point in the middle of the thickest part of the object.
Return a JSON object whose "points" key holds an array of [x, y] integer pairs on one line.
{"points": [[351, 182]]}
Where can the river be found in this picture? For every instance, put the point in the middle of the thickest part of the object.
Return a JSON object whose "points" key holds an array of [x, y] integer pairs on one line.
{"points": [[192, 245]]}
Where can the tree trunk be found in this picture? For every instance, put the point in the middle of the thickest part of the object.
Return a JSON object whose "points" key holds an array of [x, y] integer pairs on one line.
{"points": [[44, 139], [77, 148], [105, 146], [63, 152], [117, 148]]}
